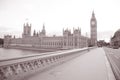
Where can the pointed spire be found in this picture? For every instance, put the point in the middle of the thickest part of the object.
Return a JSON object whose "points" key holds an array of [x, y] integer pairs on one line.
{"points": [[34, 33], [93, 14], [43, 30], [43, 26]]}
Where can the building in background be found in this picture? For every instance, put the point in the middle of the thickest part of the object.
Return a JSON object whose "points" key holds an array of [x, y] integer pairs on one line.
{"points": [[102, 43], [115, 40], [40, 40], [93, 34]]}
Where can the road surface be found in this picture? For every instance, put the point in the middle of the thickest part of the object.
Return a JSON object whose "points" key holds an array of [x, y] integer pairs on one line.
{"points": [[92, 65], [114, 59]]}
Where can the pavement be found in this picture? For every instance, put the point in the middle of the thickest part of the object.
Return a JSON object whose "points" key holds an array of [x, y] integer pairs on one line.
{"points": [[114, 59], [92, 65]]}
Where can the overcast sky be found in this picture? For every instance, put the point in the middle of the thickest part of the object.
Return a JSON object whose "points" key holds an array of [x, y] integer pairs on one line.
{"points": [[59, 14]]}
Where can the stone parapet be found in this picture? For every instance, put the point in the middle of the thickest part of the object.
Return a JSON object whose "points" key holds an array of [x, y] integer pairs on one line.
{"points": [[18, 68]]}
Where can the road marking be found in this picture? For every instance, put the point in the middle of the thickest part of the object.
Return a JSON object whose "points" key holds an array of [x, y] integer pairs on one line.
{"points": [[116, 69], [109, 70], [113, 64], [117, 57]]}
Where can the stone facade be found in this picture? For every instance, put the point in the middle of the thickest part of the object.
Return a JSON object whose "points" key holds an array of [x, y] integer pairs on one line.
{"points": [[41, 40]]}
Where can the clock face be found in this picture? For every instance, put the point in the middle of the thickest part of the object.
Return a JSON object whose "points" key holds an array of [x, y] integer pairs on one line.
{"points": [[93, 22]]}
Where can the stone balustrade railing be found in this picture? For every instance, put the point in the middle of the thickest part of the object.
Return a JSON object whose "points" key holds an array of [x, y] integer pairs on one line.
{"points": [[18, 68]]}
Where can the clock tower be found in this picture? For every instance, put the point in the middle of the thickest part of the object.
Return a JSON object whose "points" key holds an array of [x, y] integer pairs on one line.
{"points": [[93, 25]]}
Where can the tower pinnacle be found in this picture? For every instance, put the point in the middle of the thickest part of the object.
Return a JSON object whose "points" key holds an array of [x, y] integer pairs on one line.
{"points": [[93, 14], [93, 25], [43, 30]]}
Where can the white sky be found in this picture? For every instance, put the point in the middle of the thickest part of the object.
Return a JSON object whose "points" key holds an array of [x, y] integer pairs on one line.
{"points": [[59, 14]]}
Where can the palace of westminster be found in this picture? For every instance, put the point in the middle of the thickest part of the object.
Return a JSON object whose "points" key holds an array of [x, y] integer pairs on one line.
{"points": [[41, 40]]}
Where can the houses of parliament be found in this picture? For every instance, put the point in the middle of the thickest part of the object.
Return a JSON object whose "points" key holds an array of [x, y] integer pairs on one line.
{"points": [[40, 40]]}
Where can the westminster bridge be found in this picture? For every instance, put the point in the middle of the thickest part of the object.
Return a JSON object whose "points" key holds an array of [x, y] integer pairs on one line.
{"points": [[76, 64]]}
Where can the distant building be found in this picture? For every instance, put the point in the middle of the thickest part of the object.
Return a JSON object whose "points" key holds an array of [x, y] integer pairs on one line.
{"points": [[26, 30], [102, 43], [41, 40], [115, 40], [1, 42], [93, 24]]}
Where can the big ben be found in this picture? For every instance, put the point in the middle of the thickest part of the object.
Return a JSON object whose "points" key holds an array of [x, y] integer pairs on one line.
{"points": [[93, 24]]}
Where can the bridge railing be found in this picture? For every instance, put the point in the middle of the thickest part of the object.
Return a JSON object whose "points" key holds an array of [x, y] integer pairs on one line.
{"points": [[17, 68]]}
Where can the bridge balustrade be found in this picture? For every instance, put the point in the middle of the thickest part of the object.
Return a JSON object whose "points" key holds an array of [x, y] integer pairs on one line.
{"points": [[18, 68]]}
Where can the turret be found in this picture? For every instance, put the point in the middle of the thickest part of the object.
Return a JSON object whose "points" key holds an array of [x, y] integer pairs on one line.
{"points": [[77, 32], [66, 32], [26, 30], [34, 33], [7, 39], [43, 32]]}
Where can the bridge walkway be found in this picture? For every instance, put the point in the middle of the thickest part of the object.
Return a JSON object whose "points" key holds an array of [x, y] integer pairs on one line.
{"points": [[92, 65]]}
